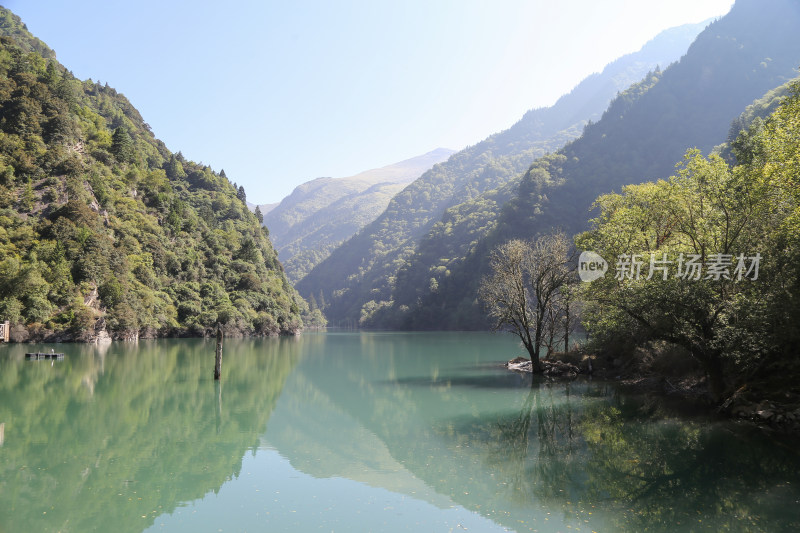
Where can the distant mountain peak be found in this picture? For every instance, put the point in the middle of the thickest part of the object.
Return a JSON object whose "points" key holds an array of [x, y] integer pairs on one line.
{"points": [[321, 213]]}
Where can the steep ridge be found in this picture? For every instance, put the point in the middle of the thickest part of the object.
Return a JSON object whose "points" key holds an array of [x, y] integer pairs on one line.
{"points": [[104, 231], [640, 137], [363, 269]]}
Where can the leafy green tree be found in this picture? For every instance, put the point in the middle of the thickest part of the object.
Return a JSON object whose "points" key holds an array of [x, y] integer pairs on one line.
{"points": [[668, 239], [59, 129], [174, 168]]}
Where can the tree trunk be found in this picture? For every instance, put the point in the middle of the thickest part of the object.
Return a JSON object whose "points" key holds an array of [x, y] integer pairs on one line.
{"points": [[533, 352], [218, 355]]}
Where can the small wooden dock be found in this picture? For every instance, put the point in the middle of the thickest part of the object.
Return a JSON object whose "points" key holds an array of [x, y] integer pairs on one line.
{"points": [[35, 356]]}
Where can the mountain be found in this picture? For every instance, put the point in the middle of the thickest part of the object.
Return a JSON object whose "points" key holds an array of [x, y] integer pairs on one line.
{"points": [[365, 267], [322, 213], [103, 230], [264, 208], [643, 133]]}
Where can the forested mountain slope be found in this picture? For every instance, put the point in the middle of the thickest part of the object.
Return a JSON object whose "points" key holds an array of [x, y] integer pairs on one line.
{"points": [[320, 214], [640, 137], [104, 230], [364, 267]]}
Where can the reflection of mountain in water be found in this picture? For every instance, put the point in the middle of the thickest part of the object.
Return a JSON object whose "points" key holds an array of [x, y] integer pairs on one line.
{"points": [[413, 418], [391, 412], [108, 442], [323, 441]]}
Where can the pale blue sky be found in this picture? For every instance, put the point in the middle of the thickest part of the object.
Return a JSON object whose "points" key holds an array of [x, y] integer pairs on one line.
{"points": [[278, 93]]}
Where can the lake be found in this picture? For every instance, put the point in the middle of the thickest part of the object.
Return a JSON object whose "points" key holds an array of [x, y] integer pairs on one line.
{"points": [[364, 432]]}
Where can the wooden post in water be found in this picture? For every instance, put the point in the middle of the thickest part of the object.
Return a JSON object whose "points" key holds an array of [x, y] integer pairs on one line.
{"points": [[218, 357]]}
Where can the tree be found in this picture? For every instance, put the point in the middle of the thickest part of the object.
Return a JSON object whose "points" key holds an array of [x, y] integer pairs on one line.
{"points": [[240, 194], [259, 215], [122, 145], [174, 168], [562, 316], [525, 280], [51, 77], [698, 240]]}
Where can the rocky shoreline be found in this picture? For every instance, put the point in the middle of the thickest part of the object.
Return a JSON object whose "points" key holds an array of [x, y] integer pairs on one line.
{"points": [[748, 404]]}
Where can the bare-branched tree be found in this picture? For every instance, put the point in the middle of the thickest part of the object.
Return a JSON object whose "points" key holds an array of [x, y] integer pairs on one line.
{"points": [[524, 285]]}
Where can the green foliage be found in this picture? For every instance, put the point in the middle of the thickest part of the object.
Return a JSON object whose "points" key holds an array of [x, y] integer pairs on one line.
{"points": [[122, 145], [102, 227], [734, 325]]}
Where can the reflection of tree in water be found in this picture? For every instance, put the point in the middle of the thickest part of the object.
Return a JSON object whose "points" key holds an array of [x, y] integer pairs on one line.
{"points": [[534, 452], [150, 432], [667, 474], [527, 453], [585, 448]]}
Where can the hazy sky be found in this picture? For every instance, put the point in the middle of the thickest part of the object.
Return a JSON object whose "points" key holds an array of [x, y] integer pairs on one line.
{"points": [[278, 93]]}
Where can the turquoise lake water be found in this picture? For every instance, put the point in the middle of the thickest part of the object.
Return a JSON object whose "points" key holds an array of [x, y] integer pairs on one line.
{"points": [[364, 432]]}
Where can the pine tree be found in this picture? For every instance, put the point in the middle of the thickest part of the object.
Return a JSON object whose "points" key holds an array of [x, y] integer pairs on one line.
{"points": [[51, 77], [122, 145], [259, 215], [241, 194]]}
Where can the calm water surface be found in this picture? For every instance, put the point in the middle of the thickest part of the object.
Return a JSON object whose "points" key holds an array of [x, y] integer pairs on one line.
{"points": [[363, 432]]}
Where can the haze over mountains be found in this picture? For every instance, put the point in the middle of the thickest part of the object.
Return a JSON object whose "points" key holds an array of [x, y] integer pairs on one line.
{"points": [[322, 213], [364, 268], [641, 136]]}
